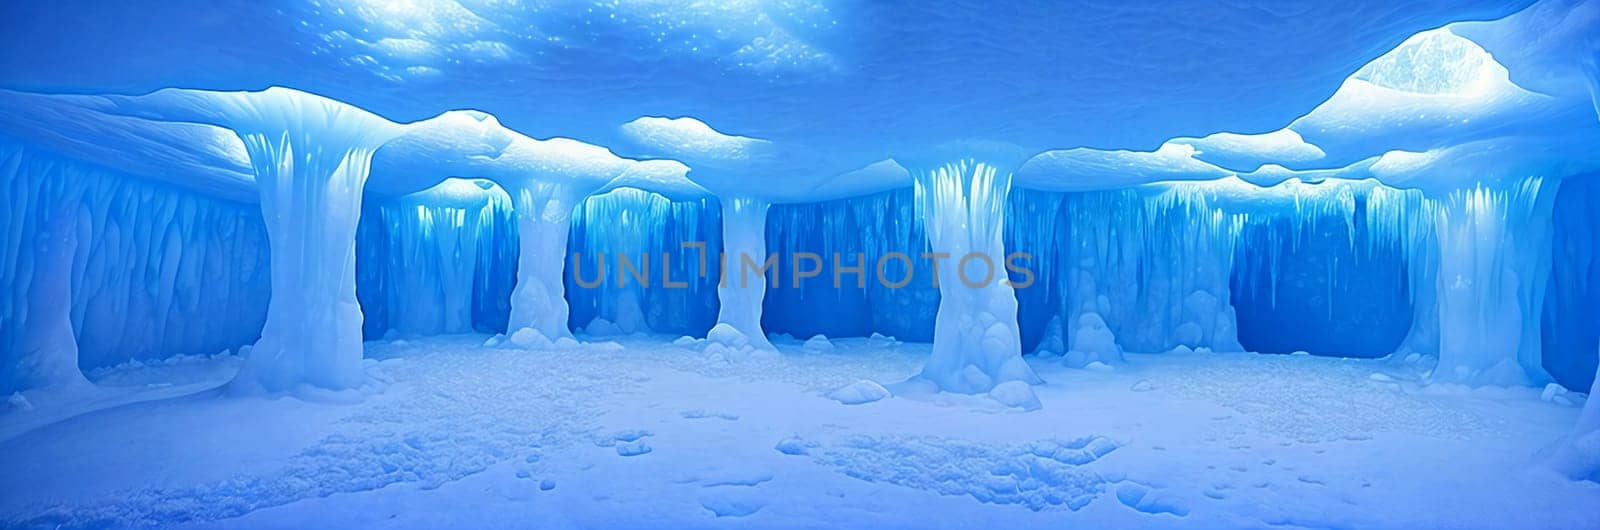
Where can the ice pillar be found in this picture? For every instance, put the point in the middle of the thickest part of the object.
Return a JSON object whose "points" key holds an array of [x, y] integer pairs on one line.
{"points": [[538, 302], [744, 276], [1494, 264], [311, 160], [976, 344], [46, 355]]}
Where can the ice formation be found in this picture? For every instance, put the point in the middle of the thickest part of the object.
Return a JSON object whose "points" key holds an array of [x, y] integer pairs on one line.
{"points": [[744, 266], [440, 252], [150, 270], [634, 251], [311, 157], [1424, 191], [976, 344], [45, 354]]}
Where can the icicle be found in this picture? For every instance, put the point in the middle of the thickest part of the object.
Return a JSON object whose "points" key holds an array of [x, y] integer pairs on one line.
{"points": [[437, 241], [651, 232], [1494, 248]]}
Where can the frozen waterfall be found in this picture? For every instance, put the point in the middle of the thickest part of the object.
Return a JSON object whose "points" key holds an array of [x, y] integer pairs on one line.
{"points": [[976, 344], [744, 265]]}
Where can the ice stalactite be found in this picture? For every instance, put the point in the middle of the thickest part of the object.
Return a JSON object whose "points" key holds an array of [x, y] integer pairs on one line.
{"points": [[642, 264], [538, 302], [1330, 267], [976, 342], [439, 245], [311, 158], [625, 231], [1407, 219], [43, 356], [1143, 270], [1494, 265], [743, 277]]}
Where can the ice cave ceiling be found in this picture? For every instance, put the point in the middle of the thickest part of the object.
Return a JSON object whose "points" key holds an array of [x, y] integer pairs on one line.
{"points": [[824, 89]]}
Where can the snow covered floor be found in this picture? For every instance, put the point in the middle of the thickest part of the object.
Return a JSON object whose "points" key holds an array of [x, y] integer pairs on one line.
{"points": [[645, 434]]}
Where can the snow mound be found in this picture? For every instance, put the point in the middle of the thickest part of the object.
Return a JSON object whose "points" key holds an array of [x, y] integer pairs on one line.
{"points": [[693, 140], [19, 402], [859, 392], [795, 446], [530, 339], [1015, 394], [1150, 500]]}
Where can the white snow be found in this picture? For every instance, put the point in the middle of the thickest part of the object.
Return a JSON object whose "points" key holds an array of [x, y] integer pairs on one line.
{"points": [[1218, 440], [1085, 169], [1015, 394], [818, 343], [692, 140], [859, 392]]}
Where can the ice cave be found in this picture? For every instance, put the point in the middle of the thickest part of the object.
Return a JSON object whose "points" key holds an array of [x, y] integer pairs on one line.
{"points": [[799, 264]]}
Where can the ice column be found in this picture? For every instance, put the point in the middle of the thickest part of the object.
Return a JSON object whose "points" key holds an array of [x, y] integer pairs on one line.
{"points": [[311, 158], [1494, 265], [46, 354], [744, 281], [538, 303], [975, 339]]}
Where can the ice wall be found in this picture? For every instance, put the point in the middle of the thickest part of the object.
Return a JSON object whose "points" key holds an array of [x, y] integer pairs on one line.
{"points": [[668, 284], [892, 294], [1161, 266], [40, 351], [1571, 318], [1329, 274], [1406, 221], [976, 343], [1578, 455], [1129, 270], [435, 261], [134, 269]]}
